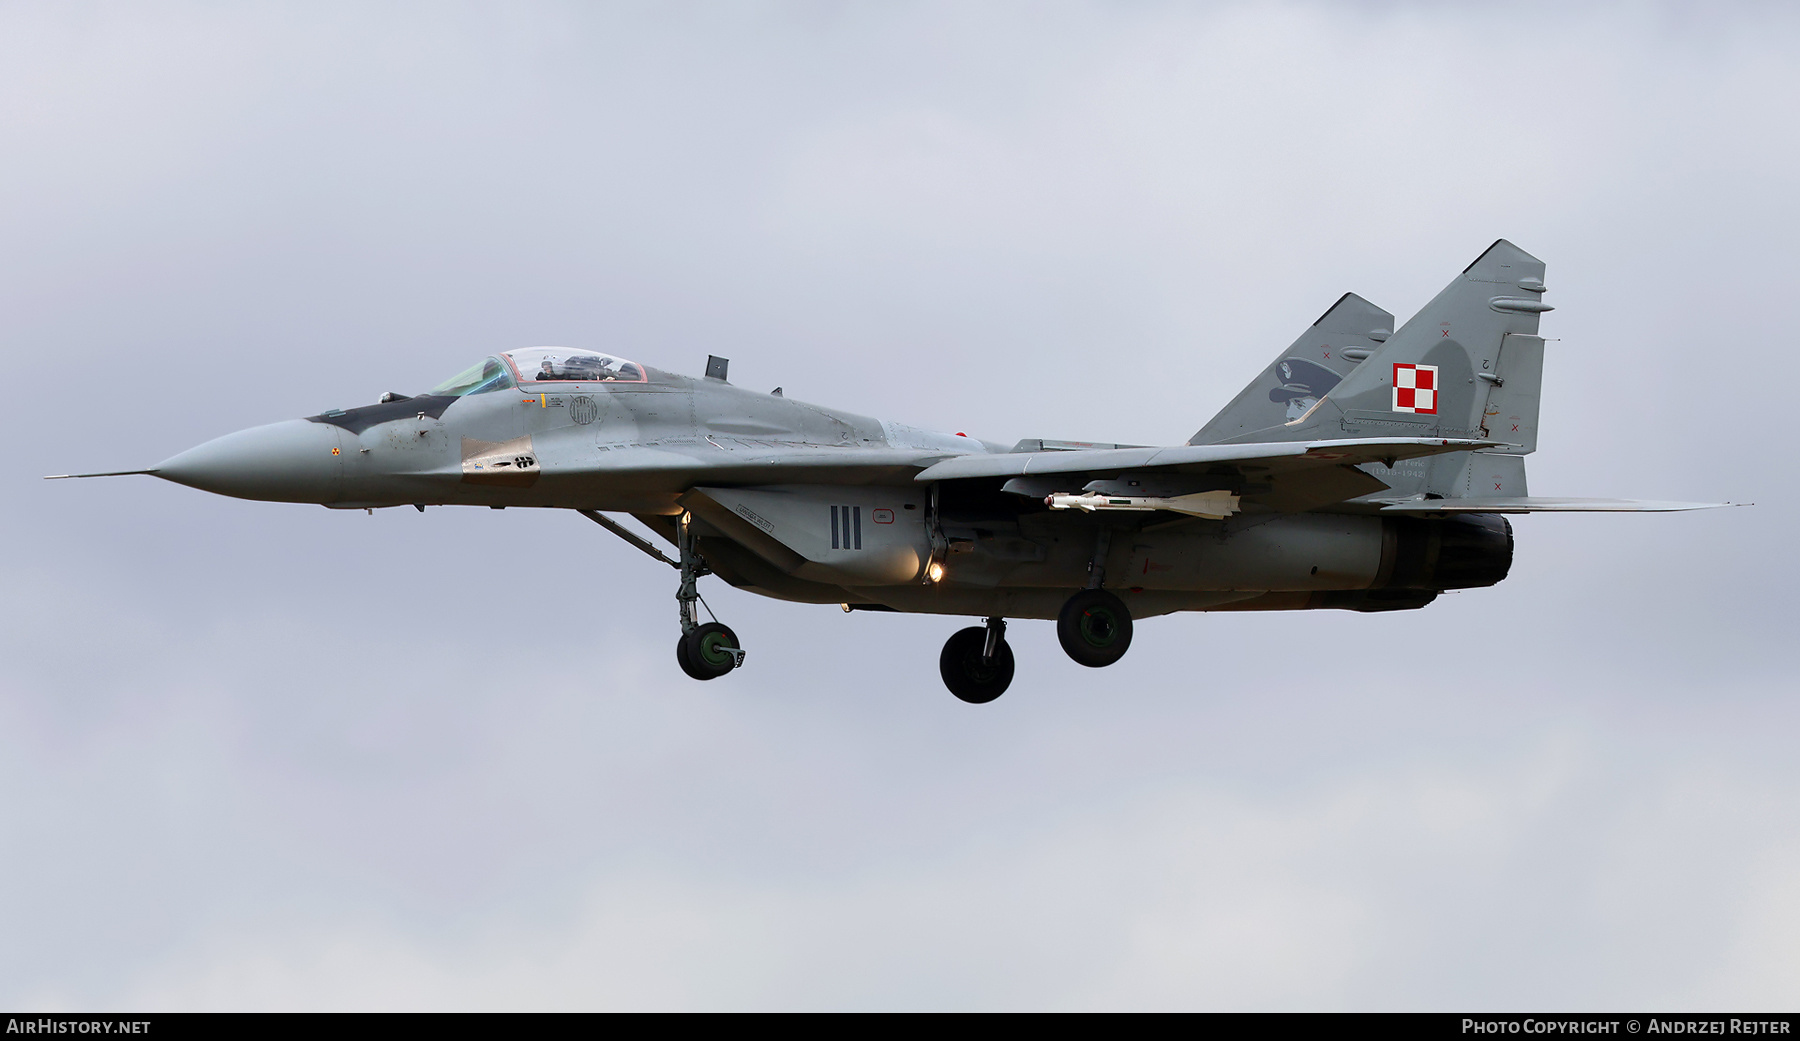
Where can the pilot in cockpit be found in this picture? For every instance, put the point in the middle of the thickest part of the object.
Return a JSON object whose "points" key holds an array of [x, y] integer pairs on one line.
{"points": [[589, 367]]}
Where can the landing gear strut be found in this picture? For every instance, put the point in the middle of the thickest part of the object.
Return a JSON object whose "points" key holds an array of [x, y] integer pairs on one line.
{"points": [[977, 664], [705, 651]]}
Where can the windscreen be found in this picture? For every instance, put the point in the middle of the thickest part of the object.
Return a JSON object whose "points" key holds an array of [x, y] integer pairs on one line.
{"points": [[485, 375]]}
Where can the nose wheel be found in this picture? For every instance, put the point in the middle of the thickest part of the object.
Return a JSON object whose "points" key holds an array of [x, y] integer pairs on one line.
{"points": [[710, 651], [977, 664]]}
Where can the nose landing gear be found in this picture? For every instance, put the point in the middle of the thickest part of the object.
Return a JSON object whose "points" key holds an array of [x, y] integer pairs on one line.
{"points": [[705, 651], [977, 664]]}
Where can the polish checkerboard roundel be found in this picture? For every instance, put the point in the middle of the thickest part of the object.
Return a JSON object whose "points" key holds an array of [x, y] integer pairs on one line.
{"points": [[1415, 388]]}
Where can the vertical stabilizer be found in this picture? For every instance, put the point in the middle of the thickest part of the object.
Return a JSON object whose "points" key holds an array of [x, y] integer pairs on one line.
{"points": [[1435, 376], [1307, 371], [1469, 364]]}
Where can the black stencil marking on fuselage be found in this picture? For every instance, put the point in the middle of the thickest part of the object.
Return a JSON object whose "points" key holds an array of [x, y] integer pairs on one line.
{"points": [[846, 527]]}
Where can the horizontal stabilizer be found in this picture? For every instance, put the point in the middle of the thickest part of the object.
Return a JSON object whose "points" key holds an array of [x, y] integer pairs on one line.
{"points": [[1545, 504]]}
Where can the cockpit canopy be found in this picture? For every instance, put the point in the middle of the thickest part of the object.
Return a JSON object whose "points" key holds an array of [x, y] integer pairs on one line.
{"points": [[541, 365]]}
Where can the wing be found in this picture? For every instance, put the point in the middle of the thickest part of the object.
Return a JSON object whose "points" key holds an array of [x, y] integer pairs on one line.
{"points": [[1198, 458], [1289, 476]]}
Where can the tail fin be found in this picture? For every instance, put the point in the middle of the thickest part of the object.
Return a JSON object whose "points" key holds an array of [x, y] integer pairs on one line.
{"points": [[1295, 381], [1469, 364]]}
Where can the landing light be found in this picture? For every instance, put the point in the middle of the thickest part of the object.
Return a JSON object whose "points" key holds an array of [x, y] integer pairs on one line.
{"points": [[935, 572]]}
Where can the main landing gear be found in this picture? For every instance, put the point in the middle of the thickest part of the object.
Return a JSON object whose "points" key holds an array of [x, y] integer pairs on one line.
{"points": [[1094, 628], [977, 664], [705, 651]]}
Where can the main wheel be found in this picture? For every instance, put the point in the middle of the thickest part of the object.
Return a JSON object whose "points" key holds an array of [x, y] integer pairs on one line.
{"points": [[971, 677], [1094, 628], [705, 653]]}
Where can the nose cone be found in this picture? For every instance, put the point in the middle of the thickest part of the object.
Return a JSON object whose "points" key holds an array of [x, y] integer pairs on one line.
{"points": [[295, 461]]}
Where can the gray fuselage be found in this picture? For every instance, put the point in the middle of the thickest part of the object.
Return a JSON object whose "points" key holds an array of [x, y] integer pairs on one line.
{"points": [[765, 480]]}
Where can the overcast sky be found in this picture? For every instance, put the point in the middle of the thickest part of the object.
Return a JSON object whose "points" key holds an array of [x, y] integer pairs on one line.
{"points": [[274, 756]]}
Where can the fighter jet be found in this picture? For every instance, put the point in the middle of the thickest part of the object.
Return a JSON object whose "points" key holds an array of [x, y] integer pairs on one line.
{"points": [[1369, 468]]}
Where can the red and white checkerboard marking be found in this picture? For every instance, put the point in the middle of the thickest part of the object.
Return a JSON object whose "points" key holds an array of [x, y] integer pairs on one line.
{"points": [[1415, 388]]}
